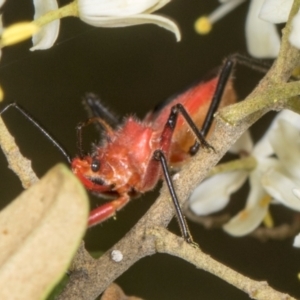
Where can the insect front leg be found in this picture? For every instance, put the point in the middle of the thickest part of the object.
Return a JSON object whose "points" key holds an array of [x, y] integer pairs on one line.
{"points": [[107, 210], [95, 108]]}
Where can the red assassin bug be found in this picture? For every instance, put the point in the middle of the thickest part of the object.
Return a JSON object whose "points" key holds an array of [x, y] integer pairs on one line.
{"points": [[132, 159]]}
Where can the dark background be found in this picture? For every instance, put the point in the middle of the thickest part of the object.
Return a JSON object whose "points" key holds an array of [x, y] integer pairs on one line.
{"points": [[133, 69]]}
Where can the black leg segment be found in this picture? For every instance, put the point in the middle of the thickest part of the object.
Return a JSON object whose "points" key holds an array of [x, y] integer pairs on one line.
{"points": [[96, 108], [159, 155]]}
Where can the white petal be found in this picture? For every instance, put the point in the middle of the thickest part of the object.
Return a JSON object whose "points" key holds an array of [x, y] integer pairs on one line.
{"points": [[243, 144], [257, 191], [276, 11], [296, 192], [295, 33], [263, 148], [256, 206], [157, 6], [297, 241], [113, 8], [2, 2], [285, 140], [281, 187], [213, 194], [262, 37], [46, 37], [246, 221], [134, 20], [290, 117]]}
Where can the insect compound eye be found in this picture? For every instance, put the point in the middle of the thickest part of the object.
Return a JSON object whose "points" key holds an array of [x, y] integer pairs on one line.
{"points": [[95, 166]]}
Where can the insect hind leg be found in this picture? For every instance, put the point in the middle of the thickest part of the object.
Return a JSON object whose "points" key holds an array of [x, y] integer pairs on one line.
{"points": [[224, 76], [159, 156]]}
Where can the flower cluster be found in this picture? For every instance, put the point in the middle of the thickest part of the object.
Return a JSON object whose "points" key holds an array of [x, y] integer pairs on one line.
{"points": [[276, 176], [263, 40], [99, 13]]}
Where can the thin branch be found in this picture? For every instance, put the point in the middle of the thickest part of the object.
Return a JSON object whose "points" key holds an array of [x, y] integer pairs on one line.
{"points": [[279, 232], [17, 162], [169, 243]]}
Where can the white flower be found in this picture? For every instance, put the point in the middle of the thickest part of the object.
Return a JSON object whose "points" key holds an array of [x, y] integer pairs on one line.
{"points": [[119, 13], [99, 13], [297, 241], [277, 11], [282, 181], [47, 35], [295, 33], [203, 201], [262, 37], [273, 177]]}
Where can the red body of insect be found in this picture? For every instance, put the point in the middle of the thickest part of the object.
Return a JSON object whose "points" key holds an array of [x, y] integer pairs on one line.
{"points": [[123, 165]]}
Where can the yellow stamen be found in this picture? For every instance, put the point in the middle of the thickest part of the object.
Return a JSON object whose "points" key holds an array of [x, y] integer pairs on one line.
{"points": [[21, 31], [265, 201], [268, 220], [244, 214], [1, 94], [17, 33], [298, 275], [203, 25]]}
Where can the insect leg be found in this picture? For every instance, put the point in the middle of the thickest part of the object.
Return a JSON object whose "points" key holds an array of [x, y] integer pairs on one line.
{"points": [[223, 79], [159, 155], [251, 62], [96, 108], [37, 125], [106, 210], [200, 134], [225, 73], [217, 97]]}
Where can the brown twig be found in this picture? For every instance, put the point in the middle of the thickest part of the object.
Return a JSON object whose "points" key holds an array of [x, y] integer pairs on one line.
{"points": [[279, 232], [169, 243], [17, 162]]}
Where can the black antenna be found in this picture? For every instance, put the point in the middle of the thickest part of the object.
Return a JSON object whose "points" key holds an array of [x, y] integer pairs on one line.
{"points": [[37, 125]]}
